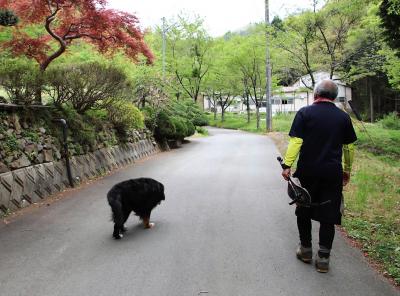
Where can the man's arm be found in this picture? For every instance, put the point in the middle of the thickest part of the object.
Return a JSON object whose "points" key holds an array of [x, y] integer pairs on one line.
{"points": [[292, 152]]}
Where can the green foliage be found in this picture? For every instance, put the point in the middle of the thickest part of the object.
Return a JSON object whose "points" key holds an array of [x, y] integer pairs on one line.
{"points": [[31, 135], [391, 121], [190, 110], [181, 128], [81, 132], [125, 116], [20, 78], [175, 120], [372, 205], [98, 114], [280, 122], [85, 86], [10, 143], [202, 130], [189, 58], [164, 127], [390, 15], [392, 67], [382, 142]]}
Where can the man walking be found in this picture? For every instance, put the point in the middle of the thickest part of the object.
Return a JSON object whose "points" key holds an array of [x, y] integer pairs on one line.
{"points": [[320, 134]]}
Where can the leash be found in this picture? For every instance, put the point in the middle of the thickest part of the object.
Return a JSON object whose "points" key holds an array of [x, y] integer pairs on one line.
{"points": [[300, 195], [358, 116]]}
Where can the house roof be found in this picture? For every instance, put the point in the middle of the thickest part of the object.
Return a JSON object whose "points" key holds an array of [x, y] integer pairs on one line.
{"points": [[305, 81]]}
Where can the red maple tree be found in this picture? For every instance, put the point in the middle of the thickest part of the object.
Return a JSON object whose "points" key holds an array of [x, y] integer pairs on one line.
{"points": [[67, 20]]}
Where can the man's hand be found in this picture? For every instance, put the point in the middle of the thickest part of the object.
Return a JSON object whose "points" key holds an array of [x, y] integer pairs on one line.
{"points": [[286, 174], [346, 178]]}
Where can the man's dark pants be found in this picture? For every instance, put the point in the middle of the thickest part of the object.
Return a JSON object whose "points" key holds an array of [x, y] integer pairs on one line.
{"points": [[326, 190]]}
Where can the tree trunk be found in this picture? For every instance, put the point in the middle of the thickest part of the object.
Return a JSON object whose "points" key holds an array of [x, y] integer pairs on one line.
{"points": [[371, 100], [39, 87], [222, 114], [248, 110], [215, 113], [258, 116]]}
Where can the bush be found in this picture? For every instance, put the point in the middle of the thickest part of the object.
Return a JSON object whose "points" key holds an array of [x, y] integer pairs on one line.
{"points": [[194, 113], [125, 116], [85, 86], [166, 124], [191, 129], [391, 121], [20, 79], [164, 127], [201, 130], [181, 129]]}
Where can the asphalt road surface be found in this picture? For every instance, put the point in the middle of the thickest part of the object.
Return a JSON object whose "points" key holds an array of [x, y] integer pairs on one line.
{"points": [[225, 229]]}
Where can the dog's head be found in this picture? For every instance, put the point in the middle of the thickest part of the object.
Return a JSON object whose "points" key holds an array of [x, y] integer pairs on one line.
{"points": [[160, 192]]}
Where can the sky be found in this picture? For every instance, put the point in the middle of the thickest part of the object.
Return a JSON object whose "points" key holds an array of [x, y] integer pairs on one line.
{"points": [[220, 16]]}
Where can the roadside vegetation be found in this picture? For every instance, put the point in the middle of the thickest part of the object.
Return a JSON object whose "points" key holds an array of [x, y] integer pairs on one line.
{"points": [[373, 196], [281, 122]]}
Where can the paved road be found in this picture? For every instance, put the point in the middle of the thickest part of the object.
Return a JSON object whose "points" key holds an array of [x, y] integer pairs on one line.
{"points": [[224, 229]]}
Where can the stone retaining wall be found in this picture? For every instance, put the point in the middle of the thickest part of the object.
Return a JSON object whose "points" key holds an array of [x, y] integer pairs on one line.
{"points": [[28, 185]]}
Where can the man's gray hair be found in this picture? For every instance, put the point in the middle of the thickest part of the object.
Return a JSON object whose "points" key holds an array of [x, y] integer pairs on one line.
{"points": [[326, 89]]}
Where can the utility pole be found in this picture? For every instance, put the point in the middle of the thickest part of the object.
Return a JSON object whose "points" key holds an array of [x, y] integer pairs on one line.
{"points": [[268, 104], [164, 31]]}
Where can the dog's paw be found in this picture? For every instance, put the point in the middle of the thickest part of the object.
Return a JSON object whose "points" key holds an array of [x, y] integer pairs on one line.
{"points": [[117, 236], [150, 225]]}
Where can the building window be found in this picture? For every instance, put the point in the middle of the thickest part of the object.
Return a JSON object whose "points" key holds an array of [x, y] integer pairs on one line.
{"points": [[287, 101]]}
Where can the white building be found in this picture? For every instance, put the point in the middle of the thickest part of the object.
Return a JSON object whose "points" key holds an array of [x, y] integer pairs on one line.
{"points": [[292, 98]]}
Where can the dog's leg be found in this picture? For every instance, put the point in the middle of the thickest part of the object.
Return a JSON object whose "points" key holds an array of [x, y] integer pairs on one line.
{"points": [[118, 219], [146, 222], [126, 216]]}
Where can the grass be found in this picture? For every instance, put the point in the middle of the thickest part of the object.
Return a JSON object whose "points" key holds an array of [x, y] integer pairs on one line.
{"points": [[372, 210], [373, 196], [382, 142], [239, 121]]}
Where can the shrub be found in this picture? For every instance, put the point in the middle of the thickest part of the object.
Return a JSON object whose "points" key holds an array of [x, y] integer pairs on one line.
{"points": [[391, 121], [125, 116], [181, 129], [20, 79], [164, 126], [86, 86], [150, 118], [190, 110], [202, 130], [194, 113], [191, 129], [11, 144], [174, 121]]}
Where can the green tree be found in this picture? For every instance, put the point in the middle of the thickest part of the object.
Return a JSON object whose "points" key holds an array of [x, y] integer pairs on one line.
{"points": [[389, 12], [188, 57], [249, 60]]}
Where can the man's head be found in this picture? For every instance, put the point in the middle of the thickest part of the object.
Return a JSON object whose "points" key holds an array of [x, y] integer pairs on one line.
{"points": [[326, 89]]}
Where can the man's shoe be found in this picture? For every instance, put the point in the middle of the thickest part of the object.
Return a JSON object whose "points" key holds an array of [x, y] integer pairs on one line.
{"points": [[322, 264], [304, 254]]}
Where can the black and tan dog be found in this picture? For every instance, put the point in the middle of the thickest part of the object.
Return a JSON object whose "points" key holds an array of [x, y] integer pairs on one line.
{"points": [[140, 195]]}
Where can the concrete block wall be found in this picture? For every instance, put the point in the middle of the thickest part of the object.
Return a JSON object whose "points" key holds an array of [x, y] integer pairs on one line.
{"points": [[22, 187]]}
